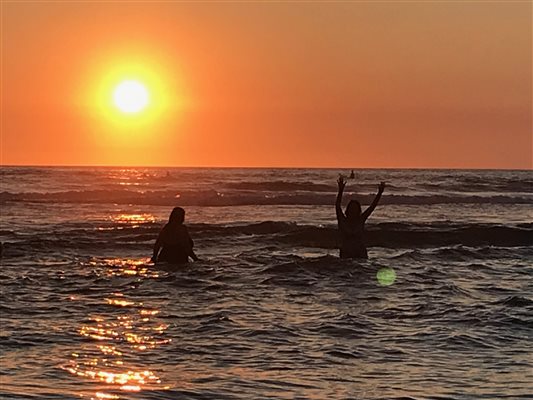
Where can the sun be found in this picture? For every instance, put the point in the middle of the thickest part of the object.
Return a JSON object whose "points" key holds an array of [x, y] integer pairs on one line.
{"points": [[131, 96]]}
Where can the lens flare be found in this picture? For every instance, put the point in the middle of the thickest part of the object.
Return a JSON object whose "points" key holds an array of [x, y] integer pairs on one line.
{"points": [[386, 276]]}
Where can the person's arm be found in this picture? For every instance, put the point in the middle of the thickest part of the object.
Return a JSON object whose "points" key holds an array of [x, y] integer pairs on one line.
{"points": [[191, 252], [342, 183], [157, 246], [193, 255], [372, 206]]}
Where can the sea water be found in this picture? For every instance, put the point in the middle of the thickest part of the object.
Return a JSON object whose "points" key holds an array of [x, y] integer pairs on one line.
{"points": [[442, 309]]}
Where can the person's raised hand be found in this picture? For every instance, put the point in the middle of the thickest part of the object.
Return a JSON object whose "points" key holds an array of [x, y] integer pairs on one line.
{"points": [[381, 187], [341, 182]]}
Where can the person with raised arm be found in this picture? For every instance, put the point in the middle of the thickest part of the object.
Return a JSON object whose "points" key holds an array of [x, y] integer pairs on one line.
{"points": [[174, 241], [352, 223]]}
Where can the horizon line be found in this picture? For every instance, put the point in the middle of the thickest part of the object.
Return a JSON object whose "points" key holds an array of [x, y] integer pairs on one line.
{"points": [[254, 167]]}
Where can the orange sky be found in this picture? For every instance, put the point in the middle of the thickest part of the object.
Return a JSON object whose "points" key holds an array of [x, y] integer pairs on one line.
{"points": [[338, 84]]}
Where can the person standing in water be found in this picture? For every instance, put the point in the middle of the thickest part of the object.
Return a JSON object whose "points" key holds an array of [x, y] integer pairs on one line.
{"points": [[352, 223], [174, 241]]}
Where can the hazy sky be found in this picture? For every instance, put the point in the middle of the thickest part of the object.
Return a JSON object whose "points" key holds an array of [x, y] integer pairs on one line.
{"points": [[309, 84]]}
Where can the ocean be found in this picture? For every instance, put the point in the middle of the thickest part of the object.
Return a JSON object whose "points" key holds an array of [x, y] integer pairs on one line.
{"points": [[442, 309]]}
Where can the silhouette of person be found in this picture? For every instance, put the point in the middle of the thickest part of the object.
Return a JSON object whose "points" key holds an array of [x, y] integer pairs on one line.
{"points": [[352, 223], [352, 175], [174, 241]]}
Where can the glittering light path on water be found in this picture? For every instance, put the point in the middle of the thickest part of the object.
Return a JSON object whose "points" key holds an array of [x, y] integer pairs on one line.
{"points": [[117, 340]]}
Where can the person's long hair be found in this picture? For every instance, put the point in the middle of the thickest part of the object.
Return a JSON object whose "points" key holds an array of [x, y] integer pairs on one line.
{"points": [[177, 216], [353, 210]]}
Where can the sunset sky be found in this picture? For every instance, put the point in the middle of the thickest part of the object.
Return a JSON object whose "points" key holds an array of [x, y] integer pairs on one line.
{"points": [[281, 84]]}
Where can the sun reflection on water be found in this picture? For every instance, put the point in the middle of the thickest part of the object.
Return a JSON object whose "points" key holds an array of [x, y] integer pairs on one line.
{"points": [[113, 355], [100, 395], [130, 177], [126, 267], [133, 219]]}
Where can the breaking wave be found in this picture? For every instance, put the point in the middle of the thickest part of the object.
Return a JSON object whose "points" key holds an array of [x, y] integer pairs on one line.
{"points": [[237, 198], [284, 234]]}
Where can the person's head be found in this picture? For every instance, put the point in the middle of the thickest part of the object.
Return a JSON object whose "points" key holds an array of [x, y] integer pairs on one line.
{"points": [[353, 209], [177, 216]]}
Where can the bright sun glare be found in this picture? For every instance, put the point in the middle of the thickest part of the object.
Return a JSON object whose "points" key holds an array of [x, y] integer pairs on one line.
{"points": [[131, 96]]}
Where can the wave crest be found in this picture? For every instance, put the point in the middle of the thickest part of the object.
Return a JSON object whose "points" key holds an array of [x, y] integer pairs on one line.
{"points": [[217, 198]]}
